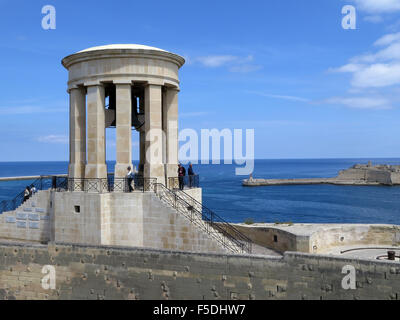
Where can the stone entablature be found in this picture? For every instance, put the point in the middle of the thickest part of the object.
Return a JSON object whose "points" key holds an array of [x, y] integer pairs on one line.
{"points": [[123, 64]]}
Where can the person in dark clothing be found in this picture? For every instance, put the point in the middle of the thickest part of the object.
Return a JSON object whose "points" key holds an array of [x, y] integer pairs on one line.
{"points": [[191, 175], [26, 194], [54, 182], [181, 175]]}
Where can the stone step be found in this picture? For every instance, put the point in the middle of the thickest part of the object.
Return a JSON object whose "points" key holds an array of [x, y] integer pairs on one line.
{"points": [[216, 235]]}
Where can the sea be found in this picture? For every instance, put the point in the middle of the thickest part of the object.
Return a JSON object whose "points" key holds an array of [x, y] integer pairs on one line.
{"points": [[224, 194]]}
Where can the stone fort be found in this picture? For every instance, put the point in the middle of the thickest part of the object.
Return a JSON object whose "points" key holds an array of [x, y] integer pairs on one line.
{"points": [[107, 241]]}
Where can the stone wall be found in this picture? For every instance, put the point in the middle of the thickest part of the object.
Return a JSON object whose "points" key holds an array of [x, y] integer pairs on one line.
{"points": [[379, 176], [330, 237], [396, 177], [195, 193], [320, 238], [123, 273], [352, 174], [369, 175], [274, 238], [126, 219], [31, 221]]}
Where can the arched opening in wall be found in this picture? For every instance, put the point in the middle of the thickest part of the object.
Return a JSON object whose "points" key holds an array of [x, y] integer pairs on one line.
{"points": [[110, 125]]}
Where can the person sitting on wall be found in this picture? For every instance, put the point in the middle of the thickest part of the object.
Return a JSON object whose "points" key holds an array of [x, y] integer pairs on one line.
{"points": [[191, 175], [129, 178], [181, 175]]}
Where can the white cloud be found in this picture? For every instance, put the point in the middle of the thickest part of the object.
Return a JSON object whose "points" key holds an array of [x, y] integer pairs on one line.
{"points": [[377, 75], [360, 102], [216, 61], [379, 69], [378, 6], [276, 96], [351, 67], [388, 39], [245, 68], [52, 138], [234, 63], [374, 19]]}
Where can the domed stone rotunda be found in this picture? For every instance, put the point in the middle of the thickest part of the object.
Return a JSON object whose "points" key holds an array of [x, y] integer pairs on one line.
{"points": [[126, 86]]}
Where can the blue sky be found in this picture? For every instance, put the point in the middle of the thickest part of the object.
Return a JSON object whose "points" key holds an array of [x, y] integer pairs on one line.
{"points": [[285, 68]]}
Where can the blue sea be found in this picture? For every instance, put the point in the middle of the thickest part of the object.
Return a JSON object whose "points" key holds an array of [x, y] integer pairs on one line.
{"points": [[224, 194]]}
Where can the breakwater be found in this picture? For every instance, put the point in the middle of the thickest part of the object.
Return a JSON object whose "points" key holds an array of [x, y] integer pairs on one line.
{"points": [[335, 181], [358, 175]]}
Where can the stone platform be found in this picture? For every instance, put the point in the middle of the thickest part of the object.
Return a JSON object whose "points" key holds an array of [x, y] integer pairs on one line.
{"points": [[324, 238]]}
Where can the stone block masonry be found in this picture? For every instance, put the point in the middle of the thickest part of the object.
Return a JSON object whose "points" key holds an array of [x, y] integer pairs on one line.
{"points": [[90, 272], [134, 219]]}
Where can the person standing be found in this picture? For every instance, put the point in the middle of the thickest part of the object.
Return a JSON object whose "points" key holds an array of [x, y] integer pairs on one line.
{"points": [[129, 179], [181, 175], [191, 175]]}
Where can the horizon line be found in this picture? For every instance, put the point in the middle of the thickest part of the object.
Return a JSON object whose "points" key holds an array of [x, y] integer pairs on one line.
{"points": [[222, 160]]}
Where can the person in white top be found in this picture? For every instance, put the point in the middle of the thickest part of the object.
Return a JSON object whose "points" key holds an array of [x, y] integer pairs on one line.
{"points": [[129, 177]]}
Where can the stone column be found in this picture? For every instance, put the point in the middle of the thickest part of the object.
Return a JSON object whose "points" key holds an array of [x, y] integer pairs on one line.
{"points": [[96, 146], [170, 127], [153, 167], [124, 130], [77, 133]]}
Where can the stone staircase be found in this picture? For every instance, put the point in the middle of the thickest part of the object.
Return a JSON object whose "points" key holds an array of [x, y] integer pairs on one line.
{"points": [[29, 221], [205, 220]]}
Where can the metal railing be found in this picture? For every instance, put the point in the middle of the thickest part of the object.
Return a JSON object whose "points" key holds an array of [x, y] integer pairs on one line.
{"points": [[112, 184], [42, 183], [192, 181], [205, 219]]}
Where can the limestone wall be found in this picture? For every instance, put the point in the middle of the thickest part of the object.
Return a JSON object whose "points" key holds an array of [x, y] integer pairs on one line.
{"points": [[77, 217], [126, 219], [195, 193], [352, 174], [320, 238], [121, 273], [395, 177], [351, 235], [379, 176], [31, 221], [165, 228], [370, 175], [275, 238]]}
